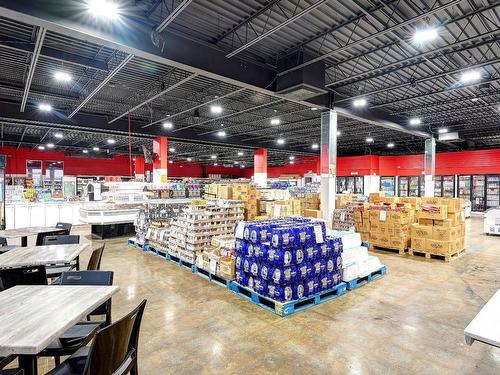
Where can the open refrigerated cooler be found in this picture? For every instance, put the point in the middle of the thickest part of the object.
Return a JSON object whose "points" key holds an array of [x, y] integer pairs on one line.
{"points": [[492, 191], [388, 185]]}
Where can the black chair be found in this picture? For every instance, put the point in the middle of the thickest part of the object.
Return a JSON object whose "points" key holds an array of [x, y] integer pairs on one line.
{"points": [[113, 351], [4, 361], [68, 239], [4, 247], [22, 276], [41, 236], [82, 332], [65, 226], [95, 259]]}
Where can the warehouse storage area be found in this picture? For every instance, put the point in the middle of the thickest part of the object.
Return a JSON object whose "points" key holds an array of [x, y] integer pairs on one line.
{"points": [[258, 186]]}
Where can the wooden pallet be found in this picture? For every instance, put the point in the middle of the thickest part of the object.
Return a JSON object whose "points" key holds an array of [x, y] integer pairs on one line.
{"points": [[360, 281], [291, 307], [133, 242], [428, 255], [211, 277], [400, 251]]}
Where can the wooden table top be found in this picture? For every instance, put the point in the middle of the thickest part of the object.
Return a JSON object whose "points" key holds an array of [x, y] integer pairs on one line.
{"points": [[23, 232], [485, 327], [35, 315], [41, 255]]}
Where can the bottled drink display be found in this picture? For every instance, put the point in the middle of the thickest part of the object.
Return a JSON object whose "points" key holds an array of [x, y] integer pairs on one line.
{"points": [[478, 193], [388, 185], [492, 191]]}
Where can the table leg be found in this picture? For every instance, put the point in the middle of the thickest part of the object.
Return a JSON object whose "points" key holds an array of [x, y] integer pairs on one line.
{"points": [[29, 364], [24, 241]]}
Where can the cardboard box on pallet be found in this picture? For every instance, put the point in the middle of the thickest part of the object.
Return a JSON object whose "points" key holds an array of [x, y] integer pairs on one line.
{"points": [[318, 214], [417, 244], [438, 247], [433, 212]]}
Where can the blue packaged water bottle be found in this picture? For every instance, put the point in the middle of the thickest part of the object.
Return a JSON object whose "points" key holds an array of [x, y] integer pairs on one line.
{"points": [[261, 250], [336, 278], [325, 282], [282, 237], [254, 268], [335, 245], [304, 270], [266, 271], [279, 256], [279, 292], [310, 252], [238, 245], [241, 278], [250, 251], [297, 255], [310, 287], [250, 282], [298, 291], [322, 250], [260, 286], [316, 268], [238, 262], [258, 233], [246, 264], [246, 231], [332, 265], [284, 275]]}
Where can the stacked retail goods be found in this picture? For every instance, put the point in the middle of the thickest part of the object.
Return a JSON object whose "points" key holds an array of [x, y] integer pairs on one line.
{"points": [[356, 263], [247, 193], [219, 257], [440, 229], [193, 230], [343, 218], [287, 259]]}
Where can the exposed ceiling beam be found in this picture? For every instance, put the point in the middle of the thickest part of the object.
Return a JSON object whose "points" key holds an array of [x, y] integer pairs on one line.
{"points": [[373, 36], [290, 20], [168, 89], [40, 36], [173, 15], [102, 84]]}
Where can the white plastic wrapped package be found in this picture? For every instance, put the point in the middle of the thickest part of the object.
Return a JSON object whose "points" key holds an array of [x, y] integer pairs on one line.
{"points": [[354, 255], [350, 272], [371, 264], [349, 239]]}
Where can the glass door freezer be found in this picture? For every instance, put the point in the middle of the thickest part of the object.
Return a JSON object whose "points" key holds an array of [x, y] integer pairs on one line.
{"points": [[388, 185], [492, 191], [448, 187], [464, 187], [341, 185], [359, 185], [403, 186], [478, 193], [414, 186], [438, 186]]}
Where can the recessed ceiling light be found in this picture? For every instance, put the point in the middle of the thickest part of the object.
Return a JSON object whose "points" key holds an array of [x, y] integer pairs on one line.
{"points": [[280, 141], [62, 77], [189, 159], [111, 141], [236, 162], [213, 156], [314, 109], [171, 149], [292, 158], [221, 125], [170, 162], [338, 133], [470, 76], [221, 133], [215, 164], [58, 135], [292, 162], [216, 109], [44, 107], [315, 146], [390, 145], [41, 147], [369, 140], [474, 99], [425, 35], [442, 130], [358, 103], [50, 145], [240, 153], [275, 121], [103, 9], [167, 125], [95, 148], [415, 121], [242, 165], [85, 151]]}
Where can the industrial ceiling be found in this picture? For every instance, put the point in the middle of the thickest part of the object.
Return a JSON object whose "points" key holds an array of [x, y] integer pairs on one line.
{"points": [[202, 54]]}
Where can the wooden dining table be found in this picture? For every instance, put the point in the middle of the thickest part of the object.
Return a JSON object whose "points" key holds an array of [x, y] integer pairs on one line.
{"points": [[23, 233], [35, 315], [41, 255]]}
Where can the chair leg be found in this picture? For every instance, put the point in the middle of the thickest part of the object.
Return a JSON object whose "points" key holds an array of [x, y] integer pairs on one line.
{"points": [[133, 369], [57, 361]]}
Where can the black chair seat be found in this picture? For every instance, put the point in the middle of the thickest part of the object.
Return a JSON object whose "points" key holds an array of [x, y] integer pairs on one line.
{"points": [[56, 271], [74, 365], [12, 371], [4, 249], [74, 338]]}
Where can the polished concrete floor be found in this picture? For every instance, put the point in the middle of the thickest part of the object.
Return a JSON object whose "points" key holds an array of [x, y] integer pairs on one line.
{"points": [[410, 321]]}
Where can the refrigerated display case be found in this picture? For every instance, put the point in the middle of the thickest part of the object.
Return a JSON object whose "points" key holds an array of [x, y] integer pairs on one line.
{"points": [[478, 193], [492, 191], [414, 186], [448, 187], [2, 191], [341, 185], [388, 185], [438, 186], [464, 187], [359, 185], [403, 186], [350, 182]]}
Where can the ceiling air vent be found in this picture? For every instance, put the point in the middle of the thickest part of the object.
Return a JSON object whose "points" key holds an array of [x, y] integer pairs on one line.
{"points": [[449, 137]]}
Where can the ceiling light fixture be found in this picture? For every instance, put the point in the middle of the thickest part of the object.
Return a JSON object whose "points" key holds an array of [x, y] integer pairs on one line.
{"points": [[390, 145], [58, 135], [95, 148], [104, 9], [215, 164], [216, 109], [189, 159], [111, 141], [167, 125], [236, 162], [315, 146], [170, 162], [85, 151], [474, 99], [221, 133], [275, 121], [242, 165], [171, 149], [44, 107], [292, 158], [62, 77], [415, 121], [314, 108], [280, 141], [470, 76], [442, 130], [213, 156], [50, 145], [425, 35], [358, 103], [292, 162], [240, 153], [41, 147], [369, 140], [338, 133]]}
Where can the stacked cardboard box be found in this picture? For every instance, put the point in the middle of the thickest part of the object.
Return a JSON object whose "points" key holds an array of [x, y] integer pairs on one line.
{"points": [[390, 226], [362, 221], [440, 229], [343, 218], [247, 193], [192, 232], [219, 257]]}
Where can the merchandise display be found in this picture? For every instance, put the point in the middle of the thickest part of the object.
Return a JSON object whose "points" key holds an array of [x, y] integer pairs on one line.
{"points": [[287, 259], [247, 193]]}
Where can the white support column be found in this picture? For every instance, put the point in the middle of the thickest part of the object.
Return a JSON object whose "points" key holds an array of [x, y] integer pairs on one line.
{"points": [[328, 162], [429, 166]]}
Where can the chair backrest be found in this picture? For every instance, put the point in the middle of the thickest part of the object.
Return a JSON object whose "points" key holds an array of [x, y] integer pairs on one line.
{"points": [[95, 259], [110, 349], [66, 226], [61, 240], [41, 236], [3, 241], [91, 278], [22, 276]]}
